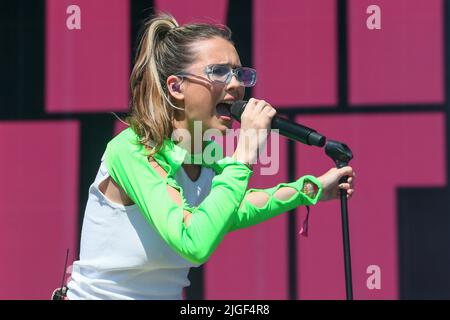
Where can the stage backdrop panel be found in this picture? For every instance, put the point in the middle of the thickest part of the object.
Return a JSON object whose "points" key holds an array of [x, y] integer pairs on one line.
{"points": [[294, 51], [195, 11], [39, 196], [401, 63], [390, 152], [87, 70], [119, 126]]}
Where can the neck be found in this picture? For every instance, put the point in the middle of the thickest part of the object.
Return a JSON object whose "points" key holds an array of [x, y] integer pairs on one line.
{"points": [[189, 133], [192, 170]]}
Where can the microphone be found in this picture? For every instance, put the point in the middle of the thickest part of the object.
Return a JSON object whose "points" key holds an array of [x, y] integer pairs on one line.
{"points": [[286, 127]]}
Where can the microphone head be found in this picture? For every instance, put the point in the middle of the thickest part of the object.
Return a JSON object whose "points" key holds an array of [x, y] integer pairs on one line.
{"points": [[237, 108]]}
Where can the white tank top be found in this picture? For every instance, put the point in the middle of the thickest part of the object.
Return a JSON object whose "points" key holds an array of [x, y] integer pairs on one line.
{"points": [[122, 256]]}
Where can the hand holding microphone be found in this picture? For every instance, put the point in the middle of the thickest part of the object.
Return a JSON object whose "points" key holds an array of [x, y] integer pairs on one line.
{"points": [[256, 122], [286, 127]]}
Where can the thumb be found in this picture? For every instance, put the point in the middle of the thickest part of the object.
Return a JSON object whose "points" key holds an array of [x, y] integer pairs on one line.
{"points": [[346, 171]]}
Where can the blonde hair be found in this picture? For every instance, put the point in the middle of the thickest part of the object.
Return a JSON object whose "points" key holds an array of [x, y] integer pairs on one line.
{"points": [[165, 48]]}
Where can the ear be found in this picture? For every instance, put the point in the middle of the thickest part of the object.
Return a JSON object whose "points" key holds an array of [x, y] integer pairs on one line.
{"points": [[173, 84]]}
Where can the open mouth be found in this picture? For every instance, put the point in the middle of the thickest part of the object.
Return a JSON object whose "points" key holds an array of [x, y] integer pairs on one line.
{"points": [[223, 110]]}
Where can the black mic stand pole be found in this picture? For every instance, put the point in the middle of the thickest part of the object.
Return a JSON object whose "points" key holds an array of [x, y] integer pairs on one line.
{"points": [[341, 155]]}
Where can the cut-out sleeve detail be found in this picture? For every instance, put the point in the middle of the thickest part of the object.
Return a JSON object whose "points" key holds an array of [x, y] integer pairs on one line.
{"points": [[210, 220], [249, 214]]}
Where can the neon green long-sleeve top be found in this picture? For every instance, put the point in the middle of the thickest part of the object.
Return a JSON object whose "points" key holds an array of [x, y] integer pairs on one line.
{"points": [[222, 211]]}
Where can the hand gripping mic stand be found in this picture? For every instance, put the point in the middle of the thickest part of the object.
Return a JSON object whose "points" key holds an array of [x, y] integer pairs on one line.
{"points": [[341, 155]]}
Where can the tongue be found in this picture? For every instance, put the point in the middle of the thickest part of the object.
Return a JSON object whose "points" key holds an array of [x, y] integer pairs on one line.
{"points": [[223, 109]]}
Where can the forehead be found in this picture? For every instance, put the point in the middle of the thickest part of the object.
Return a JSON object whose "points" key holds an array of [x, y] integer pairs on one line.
{"points": [[215, 51]]}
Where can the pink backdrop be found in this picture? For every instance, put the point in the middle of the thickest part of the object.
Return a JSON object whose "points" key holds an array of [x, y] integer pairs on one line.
{"points": [[381, 168], [39, 197], [87, 70], [401, 63], [295, 53]]}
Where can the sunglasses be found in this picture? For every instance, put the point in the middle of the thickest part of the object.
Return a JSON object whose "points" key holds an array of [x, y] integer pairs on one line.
{"points": [[223, 73]]}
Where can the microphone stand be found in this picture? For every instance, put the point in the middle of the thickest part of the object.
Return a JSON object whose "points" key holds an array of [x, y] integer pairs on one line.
{"points": [[341, 155]]}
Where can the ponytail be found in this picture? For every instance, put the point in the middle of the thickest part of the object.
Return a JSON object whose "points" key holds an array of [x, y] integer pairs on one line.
{"points": [[164, 49]]}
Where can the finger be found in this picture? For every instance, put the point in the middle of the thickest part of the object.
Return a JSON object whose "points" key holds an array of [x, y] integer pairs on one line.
{"points": [[267, 107], [271, 111], [252, 102], [350, 193], [346, 171], [260, 105], [345, 186], [249, 107], [351, 181]]}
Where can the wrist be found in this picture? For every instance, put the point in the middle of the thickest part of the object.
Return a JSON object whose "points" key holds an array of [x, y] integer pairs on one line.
{"points": [[246, 153], [310, 189], [243, 160]]}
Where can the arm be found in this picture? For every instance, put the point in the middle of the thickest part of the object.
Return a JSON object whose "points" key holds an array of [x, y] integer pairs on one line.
{"points": [[208, 222], [262, 204]]}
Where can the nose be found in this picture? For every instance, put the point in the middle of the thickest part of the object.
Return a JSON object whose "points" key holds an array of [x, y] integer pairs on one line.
{"points": [[235, 89], [234, 83]]}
